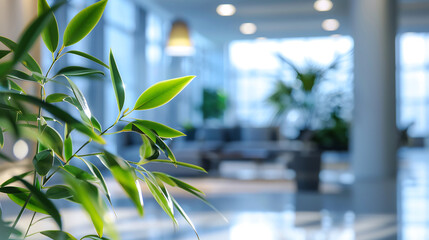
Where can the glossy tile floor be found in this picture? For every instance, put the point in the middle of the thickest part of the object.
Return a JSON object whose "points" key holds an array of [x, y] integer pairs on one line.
{"points": [[272, 210]]}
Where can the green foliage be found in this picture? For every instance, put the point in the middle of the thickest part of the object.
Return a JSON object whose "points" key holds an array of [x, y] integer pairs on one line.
{"points": [[214, 104], [55, 152]]}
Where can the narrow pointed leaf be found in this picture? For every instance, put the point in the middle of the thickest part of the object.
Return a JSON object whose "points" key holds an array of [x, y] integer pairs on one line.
{"points": [[56, 97], [161, 93], [79, 173], [48, 206], [27, 60], [172, 181], [58, 113], [20, 195], [147, 150], [126, 177], [100, 177], [166, 149], [80, 98], [89, 199], [43, 162], [19, 75], [52, 139], [185, 216], [78, 71], [87, 56], [59, 192], [82, 24], [96, 123], [31, 34], [160, 198], [68, 148], [1, 138], [16, 87], [140, 129], [50, 33], [58, 235], [160, 129], [15, 178], [118, 85], [4, 53]]}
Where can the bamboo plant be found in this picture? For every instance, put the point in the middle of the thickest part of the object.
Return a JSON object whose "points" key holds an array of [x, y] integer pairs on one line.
{"points": [[56, 151]]}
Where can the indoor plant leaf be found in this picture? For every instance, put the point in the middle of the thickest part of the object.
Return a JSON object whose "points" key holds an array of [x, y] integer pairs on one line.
{"points": [[48, 206], [126, 177], [50, 33], [160, 129], [87, 56], [4, 53], [96, 123], [59, 192], [160, 198], [185, 216], [1, 138], [19, 75], [80, 98], [15, 86], [87, 195], [15, 178], [100, 177], [56, 97], [161, 93], [58, 235], [118, 85], [79, 173], [43, 162], [82, 24], [78, 71], [58, 113], [68, 148], [52, 139]]}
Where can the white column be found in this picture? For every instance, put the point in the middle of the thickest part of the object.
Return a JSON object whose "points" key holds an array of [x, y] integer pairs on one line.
{"points": [[374, 131]]}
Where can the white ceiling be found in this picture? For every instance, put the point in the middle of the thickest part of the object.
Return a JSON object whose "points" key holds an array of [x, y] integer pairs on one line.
{"points": [[280, 18]]}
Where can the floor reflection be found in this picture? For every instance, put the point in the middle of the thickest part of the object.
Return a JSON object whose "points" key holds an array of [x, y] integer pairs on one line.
{"points": [[272, 210]]}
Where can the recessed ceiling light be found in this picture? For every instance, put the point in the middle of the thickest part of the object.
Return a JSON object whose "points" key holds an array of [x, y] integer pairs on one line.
{"points": [[20, 149], [330, 24], [225, 9], [261, 38], [323, 5], [248, 28]]}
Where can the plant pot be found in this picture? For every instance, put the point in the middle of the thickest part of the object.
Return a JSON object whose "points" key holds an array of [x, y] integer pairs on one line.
{"points": [[307, 167]]}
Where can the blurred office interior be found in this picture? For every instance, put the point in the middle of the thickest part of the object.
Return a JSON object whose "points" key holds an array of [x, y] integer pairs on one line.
{"points": [[311, 117]]}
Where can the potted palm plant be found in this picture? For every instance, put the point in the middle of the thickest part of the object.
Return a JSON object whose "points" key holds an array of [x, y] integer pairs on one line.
{"points": [[300, 95], [24, 116]]}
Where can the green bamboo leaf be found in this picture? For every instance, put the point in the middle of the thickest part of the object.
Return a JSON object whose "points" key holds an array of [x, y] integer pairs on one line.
{"points": [[56, 97], [51, 138], [43, 162], [48, 206], [96, 172], [80, 98], [96, 123], [50, 33], [68, 148], [160, 198], [172, 181], [16, 87], [78, 71], [32, 32], [20, 196], [185, 216], [19, 75], [87, 195], [183, 164], [166, 149], [147, 150], [4, 53], [140, 129], [160, 129], [15, 178], [58, 235], [118, 85], [87, 56], [126, 177], [79, 173], [161, 93], [82, 24], [59, 192], [58, 113], [27, 60]]}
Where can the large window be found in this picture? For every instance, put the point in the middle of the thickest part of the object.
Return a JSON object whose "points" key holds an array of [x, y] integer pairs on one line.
{"points": [[257, 68], [413, 84]]}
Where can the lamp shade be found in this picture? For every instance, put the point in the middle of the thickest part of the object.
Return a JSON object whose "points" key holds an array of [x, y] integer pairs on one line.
{"points": [[179, 41]]}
